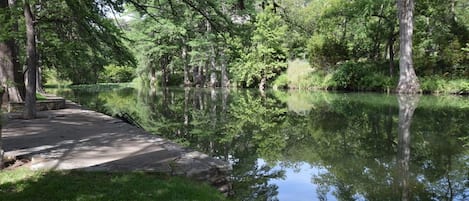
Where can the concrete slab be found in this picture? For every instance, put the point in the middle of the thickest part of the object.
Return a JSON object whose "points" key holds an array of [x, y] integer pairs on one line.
{"points": [[76, 138]]}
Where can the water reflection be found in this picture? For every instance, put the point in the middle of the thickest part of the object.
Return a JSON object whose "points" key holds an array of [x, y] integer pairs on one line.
{"points": [[407, 105], [346, 146]]}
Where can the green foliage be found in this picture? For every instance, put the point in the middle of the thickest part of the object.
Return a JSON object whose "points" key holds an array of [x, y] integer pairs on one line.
{"points": [[297, 71], [437, 84], [267, 55], [341, 31], [360, 76], [281, 82], [25, 184], [40, 97], [325, 53], [50, 78], [466, 49], [116, 74]]}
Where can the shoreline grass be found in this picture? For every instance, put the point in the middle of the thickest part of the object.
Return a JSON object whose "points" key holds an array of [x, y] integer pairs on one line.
{"points": [[361, 77], [24, 184]]}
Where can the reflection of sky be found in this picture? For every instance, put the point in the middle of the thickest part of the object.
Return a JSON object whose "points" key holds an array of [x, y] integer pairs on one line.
{"points": [[297, 185]]}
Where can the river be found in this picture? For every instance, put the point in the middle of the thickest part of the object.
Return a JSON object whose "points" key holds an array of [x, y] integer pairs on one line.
{"points": [[309, 145]]}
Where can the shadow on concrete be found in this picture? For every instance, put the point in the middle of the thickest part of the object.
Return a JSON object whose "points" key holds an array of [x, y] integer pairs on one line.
{"points": [[87, 140]]}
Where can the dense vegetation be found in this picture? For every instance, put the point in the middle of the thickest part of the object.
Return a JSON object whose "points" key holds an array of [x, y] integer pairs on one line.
{"points": [[347, 45]]}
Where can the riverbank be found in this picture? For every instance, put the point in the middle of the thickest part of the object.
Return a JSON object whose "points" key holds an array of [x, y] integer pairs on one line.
{"points": [[25, 184], [363, 77], [78, 139]]}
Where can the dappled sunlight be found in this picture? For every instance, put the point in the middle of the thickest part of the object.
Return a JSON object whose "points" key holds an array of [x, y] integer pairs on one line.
{"points": [[83, 139], [65, 185]]}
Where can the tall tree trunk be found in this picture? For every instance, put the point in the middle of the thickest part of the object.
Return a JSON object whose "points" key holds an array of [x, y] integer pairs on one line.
{"points": [[262, 84], [213, 70], [39, 84], [213, 74], [17, 67], [407, 105], [200, 75], [1, 123], [408, 81], [163, 74], [30, 101], [225, 82], [9, 62], [152, 77], [187, 81], [391, 55]]}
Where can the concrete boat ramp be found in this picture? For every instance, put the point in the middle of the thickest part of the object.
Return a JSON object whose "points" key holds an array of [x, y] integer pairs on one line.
{"points": [[76, 138]]}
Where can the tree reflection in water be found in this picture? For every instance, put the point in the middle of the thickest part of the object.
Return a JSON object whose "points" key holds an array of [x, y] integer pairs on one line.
{"points": [[361, 141], [407, 105]]}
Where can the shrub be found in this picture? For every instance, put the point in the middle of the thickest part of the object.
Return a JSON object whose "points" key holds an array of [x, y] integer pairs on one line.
{"points": [[281, 82], [437, 84], [367, 76], [297, 74], [349, 75]]}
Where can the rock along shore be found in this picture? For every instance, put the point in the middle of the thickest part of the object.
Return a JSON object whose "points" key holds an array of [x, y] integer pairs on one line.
{"points": [[76, 138]]}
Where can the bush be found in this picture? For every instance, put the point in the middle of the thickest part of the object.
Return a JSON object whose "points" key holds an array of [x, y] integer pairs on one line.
{"points": [[117, 74], [281, 82], [437, 84], [297, 74], [349, 76], [366, 76]]}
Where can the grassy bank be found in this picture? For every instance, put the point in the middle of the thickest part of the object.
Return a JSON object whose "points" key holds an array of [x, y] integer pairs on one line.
{"points": [[24, 184], [361, 76]]}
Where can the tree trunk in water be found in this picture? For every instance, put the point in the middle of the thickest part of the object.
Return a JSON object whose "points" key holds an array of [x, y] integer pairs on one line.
{"points": [[407, 105], [30, 99], [408, 82], [9, 64]]}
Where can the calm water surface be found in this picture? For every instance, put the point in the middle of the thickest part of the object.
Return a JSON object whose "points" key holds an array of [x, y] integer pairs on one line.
{"points": [[308, 145]]}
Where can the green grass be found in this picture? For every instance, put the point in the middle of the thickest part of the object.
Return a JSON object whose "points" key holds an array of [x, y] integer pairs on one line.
{"points": [[40, 97], [297, 72], [24, 184]]}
